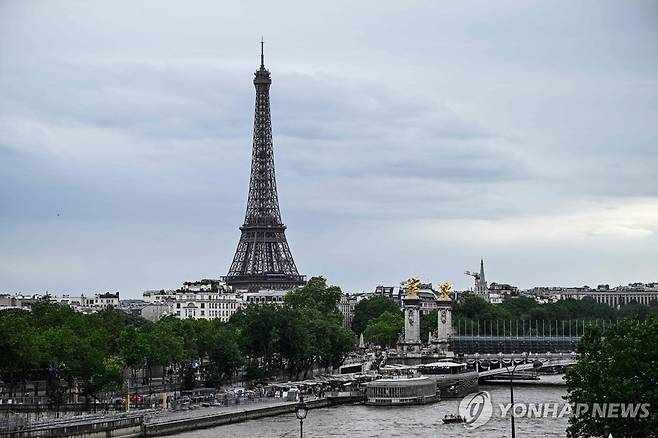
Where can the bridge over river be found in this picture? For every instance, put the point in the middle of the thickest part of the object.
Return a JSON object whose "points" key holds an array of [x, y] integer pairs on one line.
{"points": [[518, 336], [489, 365], [513, 344]]}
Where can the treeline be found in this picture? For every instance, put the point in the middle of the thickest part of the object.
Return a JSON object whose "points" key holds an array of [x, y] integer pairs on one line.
{"points": [[525, 308], [93, 351], [304, 333], [381, 319]]}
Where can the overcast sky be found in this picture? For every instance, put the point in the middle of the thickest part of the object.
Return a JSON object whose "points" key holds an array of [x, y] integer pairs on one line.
{"points": [[411, 138]]}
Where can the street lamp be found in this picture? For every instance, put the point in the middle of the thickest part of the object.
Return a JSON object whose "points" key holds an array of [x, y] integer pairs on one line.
{"points": [[535, 365], [300, 411]]}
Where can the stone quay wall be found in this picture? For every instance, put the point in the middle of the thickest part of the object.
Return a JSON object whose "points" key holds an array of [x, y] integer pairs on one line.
{"points": [[188, 424], [123, 427]]}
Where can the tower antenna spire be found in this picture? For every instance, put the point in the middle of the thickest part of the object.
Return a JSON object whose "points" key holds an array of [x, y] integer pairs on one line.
{"points": [[262, 56]]}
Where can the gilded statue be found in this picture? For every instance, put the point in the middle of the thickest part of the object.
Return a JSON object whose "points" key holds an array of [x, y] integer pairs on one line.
{"points": [[412, 288], [445, 291]]}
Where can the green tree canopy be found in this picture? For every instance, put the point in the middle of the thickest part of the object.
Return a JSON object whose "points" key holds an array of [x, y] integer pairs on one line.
{"points": [[428, 323], [473, 308], [617, 365], [224, 358], [476, 307], [368, 310], [385, 329], [315, 294], [94, 350]]}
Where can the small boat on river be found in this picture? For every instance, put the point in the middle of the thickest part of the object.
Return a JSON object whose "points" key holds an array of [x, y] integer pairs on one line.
{"points": [[449, 419]]}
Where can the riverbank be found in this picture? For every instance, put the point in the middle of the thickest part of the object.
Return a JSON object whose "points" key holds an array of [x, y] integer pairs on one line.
{"points": [[168, 426], [163, 423], [124, 425]]}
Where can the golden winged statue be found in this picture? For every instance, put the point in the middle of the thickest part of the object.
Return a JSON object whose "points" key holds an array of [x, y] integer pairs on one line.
{"points": [[411, 288], [445, 291]]}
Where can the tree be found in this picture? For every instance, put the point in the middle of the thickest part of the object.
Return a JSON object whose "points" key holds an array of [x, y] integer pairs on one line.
{"points": [[367, 310], [317, 306], [385, 329], [110, 376], [256, 329], [18, 346], [294, 340], [428, 323], [303, 333], [330, 341], [617, 365], [580, 309], [134, 349], [516, 306], [90, 352], [223, 353], [315, 294], [475, 307], [639, 312], [342, 342], [165, 346]]}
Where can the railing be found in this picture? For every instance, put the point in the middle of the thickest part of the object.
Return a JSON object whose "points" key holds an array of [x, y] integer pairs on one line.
{"points": [[519, 328], [332, 394], [507, 345], [73, 427]]}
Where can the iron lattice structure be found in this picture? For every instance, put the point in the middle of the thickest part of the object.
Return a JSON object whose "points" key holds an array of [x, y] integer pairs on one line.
{"points": [[263, 259]]}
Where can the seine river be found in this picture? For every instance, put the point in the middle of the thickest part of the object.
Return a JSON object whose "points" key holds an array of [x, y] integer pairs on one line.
{"points": [[357, 421]]}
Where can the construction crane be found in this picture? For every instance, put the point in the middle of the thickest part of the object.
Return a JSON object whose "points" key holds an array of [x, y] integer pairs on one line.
{"points": [[473, 274]]}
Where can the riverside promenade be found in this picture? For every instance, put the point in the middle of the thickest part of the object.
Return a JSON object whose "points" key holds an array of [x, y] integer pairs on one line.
{"points": [[157, 423], [211, 417]]}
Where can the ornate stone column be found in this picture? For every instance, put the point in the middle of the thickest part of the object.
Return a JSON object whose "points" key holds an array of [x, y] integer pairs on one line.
{"points": [[444, 318], [411, 306]]}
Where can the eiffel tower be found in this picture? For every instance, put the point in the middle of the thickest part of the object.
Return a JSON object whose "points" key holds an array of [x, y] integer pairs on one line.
{"points": [[263, 259]]}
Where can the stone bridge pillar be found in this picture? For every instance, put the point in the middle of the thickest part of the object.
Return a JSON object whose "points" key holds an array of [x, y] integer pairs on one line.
{"points": [[444, 319], [411, 305]]}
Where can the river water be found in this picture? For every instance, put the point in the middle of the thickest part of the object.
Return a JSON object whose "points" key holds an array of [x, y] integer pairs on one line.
{"points": [[356, 421]]}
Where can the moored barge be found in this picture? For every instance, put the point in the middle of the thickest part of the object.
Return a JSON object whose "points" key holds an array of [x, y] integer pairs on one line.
{"points": [[401, 391], [453, 379]]}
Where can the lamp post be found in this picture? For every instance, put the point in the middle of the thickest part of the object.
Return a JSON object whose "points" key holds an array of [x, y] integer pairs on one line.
{"points": [[300, 411], [535, 365]]}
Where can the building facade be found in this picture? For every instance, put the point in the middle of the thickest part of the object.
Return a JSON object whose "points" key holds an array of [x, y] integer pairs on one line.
{"points": [[88, 304], [499, 292], [206, 305], [634, 293], [264, 297], [205, 299], [346, 306]]}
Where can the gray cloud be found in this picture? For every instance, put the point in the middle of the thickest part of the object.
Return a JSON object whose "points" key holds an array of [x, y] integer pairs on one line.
{"points": [[391, 121]]}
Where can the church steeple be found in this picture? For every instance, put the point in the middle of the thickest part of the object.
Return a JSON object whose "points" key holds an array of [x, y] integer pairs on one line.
{"points": [[481, 282]]}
